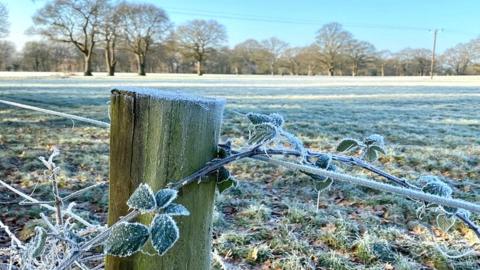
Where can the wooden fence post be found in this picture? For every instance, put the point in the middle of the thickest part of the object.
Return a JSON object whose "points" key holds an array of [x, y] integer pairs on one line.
{"points": [[157, 137]]}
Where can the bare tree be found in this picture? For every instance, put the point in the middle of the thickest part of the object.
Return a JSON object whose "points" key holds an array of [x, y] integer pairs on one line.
{"points": [[198, 38], [36, 56], [247, 56], [7, 55], [360, 53], [72, 21], [309, 59], [141, 26], [275, 48], [458, 58], [332, 42], [4, 24], [109, 31]]}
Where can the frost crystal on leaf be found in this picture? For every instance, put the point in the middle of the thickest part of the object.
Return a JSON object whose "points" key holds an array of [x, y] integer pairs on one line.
{"points": [[164, 197], [263, 133], [37, 245], [444, 222], [259, 118], [436, 186], [323, 161], [175, 209], [126, 238], [295, 142], [375, 139], [142, 199], [164, 233]]}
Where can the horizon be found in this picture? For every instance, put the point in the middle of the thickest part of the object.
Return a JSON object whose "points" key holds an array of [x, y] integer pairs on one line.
{"points": [[391, 28]]}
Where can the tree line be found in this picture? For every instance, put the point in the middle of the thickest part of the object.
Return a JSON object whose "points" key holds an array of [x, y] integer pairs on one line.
{"points": [[107, 35]]}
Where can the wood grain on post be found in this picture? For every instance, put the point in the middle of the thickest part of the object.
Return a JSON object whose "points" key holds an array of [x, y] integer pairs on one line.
{"points": [[157, 137]]}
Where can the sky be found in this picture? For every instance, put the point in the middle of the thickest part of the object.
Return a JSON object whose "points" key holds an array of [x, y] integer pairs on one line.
{"points": [[391, 25]]}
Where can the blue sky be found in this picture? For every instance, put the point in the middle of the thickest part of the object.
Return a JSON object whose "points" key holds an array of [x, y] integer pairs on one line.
{"points": [[387, 24]]}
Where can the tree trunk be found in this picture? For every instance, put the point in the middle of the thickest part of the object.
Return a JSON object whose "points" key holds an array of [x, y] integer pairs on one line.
{"points": [[88, 65], [310, 70], [110, 59], [141, 64], [199, 68], [331, 71], [354, 70], [382, 70], [157, 137]]}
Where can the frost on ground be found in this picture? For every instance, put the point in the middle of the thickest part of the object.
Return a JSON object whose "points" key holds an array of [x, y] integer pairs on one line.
{"points": [[270, 220]]}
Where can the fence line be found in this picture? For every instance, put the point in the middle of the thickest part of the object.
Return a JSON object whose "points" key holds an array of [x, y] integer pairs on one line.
{"points": [[455, 203], [66, 115]]}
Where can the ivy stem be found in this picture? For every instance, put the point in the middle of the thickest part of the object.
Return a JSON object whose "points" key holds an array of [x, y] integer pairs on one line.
{"points": [[369, 167]]}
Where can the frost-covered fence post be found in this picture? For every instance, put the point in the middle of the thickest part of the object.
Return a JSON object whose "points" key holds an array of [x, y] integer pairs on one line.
{"points": [[157, 137]]}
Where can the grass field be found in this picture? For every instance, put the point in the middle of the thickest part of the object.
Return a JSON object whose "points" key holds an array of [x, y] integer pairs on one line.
{"points": [[270, 220]]}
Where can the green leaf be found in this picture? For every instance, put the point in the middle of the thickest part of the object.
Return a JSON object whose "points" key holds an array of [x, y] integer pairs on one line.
{"points": [[262, 133], [126, 239], [378, 149], [226, 184], [223, 153], [347, 144], [322, 185], [142, 199], [164, 232], [37, 245], [445, 223], [164, 197], [223, 174], [175, 209], [370, 154]]}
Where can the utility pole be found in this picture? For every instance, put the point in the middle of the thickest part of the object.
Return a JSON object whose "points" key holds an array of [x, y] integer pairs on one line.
{"points": [[432, 65]]}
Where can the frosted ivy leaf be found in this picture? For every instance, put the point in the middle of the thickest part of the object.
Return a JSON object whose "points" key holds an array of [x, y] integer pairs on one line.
{"points": [[323, 161], [37, 245], [375, 139], [164, 232], [223, 174], [142, 199], [259, 118], [371, 154], [164, 197], [223, 153], [347, 144], [126, 239], [444, 222], [436, 186], [322, 185], [226, 184], [175, 209], [262, 133], [295, 142], [277, 119]]}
